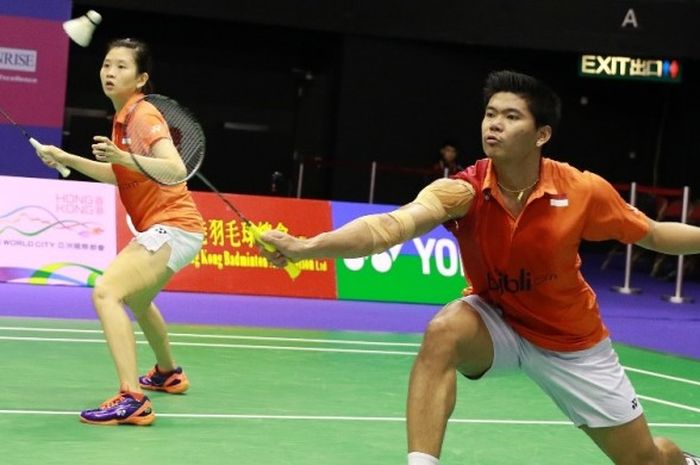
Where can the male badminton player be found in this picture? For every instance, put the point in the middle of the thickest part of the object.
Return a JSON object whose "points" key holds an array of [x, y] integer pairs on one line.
{"points": [[170, 234], [519, 218]]}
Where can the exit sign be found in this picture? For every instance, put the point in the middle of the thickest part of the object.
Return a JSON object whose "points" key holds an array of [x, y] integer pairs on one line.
{"points": [[621, 67]]}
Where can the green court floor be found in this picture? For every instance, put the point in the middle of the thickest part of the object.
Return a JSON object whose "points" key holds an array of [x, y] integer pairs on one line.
{"points": [[266, 396]]}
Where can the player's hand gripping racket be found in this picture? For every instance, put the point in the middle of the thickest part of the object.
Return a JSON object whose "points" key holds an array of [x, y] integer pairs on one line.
{"points": [[189, 140], [36, 144], [291, 268]]}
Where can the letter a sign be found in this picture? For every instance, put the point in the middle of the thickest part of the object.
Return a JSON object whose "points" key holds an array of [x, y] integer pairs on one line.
{"points": [[630, 19]]}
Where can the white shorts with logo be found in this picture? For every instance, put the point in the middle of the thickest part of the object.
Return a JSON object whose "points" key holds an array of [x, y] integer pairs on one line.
{"points": [[184, 245], [589, 386]]}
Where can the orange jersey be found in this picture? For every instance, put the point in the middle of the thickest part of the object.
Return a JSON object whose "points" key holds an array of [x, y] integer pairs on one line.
{"points": [[529, 266], [146, 201]]}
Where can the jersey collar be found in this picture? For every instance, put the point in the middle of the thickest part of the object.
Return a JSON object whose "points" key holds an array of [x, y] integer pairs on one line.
{"points": [[128, 106], [544, 186]]}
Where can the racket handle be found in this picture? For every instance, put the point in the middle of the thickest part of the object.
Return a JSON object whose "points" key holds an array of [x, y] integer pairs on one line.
{"points": [[64, 170], [291, 268]]}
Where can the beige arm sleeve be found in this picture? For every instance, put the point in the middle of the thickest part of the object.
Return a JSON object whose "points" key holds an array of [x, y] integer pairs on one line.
{"points": [[446, 199], [440, 201], [389, 229]]}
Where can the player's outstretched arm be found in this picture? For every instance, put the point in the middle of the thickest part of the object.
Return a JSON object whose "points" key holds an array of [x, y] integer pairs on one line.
{"points": [[672, 238], [96, 170], [443, 200]]}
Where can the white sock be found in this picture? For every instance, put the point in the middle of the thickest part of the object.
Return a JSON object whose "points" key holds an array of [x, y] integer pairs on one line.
{"points": [[419, 458]]}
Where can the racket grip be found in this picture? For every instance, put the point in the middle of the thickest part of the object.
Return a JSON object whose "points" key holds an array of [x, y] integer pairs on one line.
{"points": [[292, 269], [64, 170]]}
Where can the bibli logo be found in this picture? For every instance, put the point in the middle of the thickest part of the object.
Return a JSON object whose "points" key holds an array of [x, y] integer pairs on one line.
{"points": [[502, 282]]}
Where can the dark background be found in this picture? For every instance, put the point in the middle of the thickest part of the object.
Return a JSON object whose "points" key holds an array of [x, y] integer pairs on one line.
{"points": [[339, 84]]}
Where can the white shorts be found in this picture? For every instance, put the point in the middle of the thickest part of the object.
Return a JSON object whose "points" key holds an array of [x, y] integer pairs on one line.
{"points": [[589, 386], [184, 245]]}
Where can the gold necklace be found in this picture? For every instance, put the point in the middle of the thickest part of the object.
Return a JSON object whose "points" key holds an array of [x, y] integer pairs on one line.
{"points": [[520, 192]]}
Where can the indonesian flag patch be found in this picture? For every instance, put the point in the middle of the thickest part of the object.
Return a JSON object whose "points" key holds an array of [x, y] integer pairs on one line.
{"points": [[559, 200]]}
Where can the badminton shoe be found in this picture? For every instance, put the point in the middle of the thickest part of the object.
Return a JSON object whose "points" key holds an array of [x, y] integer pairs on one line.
{"points": [[126, 408], [173, 382], [691, 459]]}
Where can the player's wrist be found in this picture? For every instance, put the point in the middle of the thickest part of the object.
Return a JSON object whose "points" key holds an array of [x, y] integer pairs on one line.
{"points": [[310, 248]]}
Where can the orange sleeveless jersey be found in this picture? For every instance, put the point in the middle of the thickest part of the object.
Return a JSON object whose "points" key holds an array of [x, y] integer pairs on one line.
{"points": [[147, 202], [529, 266]]}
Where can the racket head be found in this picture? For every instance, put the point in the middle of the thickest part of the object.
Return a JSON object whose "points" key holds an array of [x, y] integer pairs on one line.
{"points": [[142, 128]]}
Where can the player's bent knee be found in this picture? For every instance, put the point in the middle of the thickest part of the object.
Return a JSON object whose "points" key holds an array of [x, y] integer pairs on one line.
{"points": [[453, 327], [441, 330], [102, 294]]}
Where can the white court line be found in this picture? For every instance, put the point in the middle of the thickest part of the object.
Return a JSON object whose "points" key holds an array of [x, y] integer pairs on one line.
{"points": [[285, 339], [291, 339], [671, 404], [225, 336], [659, 375], [225, 346], [320, 349], [224, 416]]}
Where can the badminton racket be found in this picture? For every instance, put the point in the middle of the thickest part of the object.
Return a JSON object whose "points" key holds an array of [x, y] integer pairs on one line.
{"points": [[189, 140], [36, 144], [292, 269], [182, 127]]}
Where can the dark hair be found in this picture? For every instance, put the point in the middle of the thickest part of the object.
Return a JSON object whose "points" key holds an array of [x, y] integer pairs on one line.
{"points": [[543, 102], [451, 142], [142, 57]]}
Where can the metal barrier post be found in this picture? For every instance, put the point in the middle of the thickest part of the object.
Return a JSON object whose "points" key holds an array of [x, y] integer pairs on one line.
{"points": [[677, 298], [372, 180], [300, 180], [626, 289]]}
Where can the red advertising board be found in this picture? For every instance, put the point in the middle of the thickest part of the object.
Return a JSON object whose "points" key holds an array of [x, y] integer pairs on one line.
{"points": [[229, 261]]}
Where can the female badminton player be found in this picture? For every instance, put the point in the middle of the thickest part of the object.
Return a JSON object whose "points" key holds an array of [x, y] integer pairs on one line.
{"points": [[169, 234]]}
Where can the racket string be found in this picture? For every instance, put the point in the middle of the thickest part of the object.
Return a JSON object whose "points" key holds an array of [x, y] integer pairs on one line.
{"points": [[184, 131]]}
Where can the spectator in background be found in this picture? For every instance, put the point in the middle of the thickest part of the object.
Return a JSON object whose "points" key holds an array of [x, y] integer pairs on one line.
{"points": [[448, 160]]}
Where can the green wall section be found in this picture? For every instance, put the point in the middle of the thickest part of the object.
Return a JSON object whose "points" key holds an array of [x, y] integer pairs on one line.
{"points": [[404, 282]]}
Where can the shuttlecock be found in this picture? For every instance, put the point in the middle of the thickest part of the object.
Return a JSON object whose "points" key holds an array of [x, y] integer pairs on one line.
{"points": [[80, 29]]}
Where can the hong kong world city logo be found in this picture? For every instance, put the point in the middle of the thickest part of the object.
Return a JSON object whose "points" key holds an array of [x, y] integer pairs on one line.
{"points": [[32, 221]]}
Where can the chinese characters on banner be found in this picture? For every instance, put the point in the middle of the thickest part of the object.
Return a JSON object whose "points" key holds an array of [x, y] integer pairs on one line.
{"points": [[229, 261]]}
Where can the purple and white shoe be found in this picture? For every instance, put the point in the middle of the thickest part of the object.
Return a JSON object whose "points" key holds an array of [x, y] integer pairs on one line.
{"points": [[126, 408]]}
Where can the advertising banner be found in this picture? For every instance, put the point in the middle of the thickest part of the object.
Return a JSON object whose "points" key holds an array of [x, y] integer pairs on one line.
{"points": [[55, 232], [33, 71], [427, 269], [229, 261]]}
